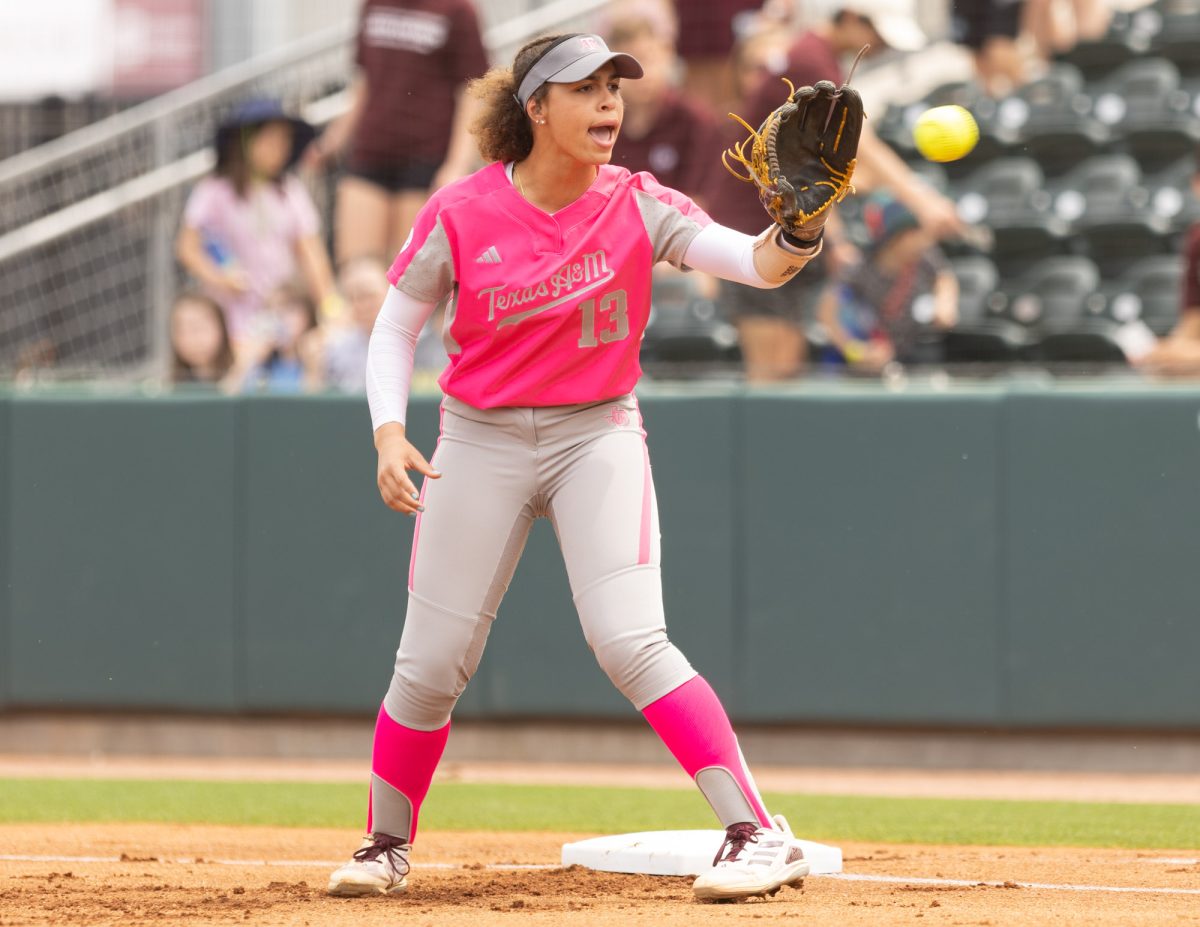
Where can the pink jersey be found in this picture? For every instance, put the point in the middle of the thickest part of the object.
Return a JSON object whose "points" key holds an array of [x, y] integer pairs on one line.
{"points": [[546, 309]]}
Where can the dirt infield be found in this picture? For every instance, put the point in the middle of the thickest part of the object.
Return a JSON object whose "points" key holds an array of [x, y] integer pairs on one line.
{"points": [[203, 875]]}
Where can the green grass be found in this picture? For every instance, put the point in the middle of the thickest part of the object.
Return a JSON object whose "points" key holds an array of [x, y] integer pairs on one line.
{"points": [[461, 806]]}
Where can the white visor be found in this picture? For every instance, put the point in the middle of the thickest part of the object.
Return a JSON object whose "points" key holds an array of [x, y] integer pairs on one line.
{"points": [[572, 59]]}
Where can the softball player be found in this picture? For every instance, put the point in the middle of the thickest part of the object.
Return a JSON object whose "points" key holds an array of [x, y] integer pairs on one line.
{"points": [[547, 254]]}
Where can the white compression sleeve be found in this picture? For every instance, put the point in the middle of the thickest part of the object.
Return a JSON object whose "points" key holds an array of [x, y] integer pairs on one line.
{"points": [[730, 255], [390, 355]]}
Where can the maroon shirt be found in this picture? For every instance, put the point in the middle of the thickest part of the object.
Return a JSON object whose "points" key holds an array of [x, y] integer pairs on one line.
{"points": [[706, 26], [415, 55], [810, 59], [1191, 270], [682, 150]]}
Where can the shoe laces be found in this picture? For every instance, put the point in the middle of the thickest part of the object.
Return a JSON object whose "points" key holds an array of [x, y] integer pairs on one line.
{"points": [[736, 838], [395, 849]]}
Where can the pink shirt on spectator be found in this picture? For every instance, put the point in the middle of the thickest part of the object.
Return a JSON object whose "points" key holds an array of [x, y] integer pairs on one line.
{"points": [[257, 235], [547, 309]]}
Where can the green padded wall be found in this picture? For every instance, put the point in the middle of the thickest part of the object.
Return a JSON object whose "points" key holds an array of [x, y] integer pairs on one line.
{"points": [[5, 551], [1103, 499], [121, 569], [1005, 556], [323, 562], [870, 533]]}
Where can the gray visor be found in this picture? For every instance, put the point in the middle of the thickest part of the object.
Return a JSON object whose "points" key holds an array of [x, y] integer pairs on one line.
{"points": [[574, 59]]}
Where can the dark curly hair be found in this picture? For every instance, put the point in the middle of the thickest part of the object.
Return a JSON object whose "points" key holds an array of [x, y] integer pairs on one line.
{"points": [[502, 129]]}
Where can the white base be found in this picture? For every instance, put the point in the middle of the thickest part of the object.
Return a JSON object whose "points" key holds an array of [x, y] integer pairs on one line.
{"points": [[673, 853]]}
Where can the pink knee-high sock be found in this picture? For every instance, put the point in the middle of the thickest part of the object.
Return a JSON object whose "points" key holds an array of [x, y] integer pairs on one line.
{"points": [[695, 728], [405, 759]]}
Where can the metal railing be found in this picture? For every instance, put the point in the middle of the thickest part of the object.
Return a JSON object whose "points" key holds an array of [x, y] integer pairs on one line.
{"points": [[87, 221]]}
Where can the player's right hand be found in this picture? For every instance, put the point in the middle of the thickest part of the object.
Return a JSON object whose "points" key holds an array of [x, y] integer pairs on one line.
{"points": [[396, 458]]}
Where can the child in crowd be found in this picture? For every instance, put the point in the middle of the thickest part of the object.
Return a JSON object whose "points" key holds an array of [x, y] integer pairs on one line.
{"points": [[274, 354], [251, 227], [903, 286], [200, 349], [335, 356]]}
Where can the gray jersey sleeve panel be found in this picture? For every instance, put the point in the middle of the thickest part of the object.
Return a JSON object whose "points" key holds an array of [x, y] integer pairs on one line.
{"points": [[669, 229], [430, 275]]}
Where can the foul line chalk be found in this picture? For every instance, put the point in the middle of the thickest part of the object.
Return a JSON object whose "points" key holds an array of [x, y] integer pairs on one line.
{"points": [[844, 876], [968, 883], [192, 860]]}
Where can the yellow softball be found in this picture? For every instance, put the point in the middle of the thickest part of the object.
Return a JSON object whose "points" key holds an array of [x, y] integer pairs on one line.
{"points": [[945, 133]]}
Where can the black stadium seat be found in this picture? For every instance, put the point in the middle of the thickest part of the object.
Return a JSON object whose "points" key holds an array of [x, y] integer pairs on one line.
{"points": [[1150, 112], [1171, 194], [1178, 38], [1009, 197], [686, 335], [1150, 291], [1051, 120], [1058, 299], [1110, 212], [1130, 35], [981, 335]]}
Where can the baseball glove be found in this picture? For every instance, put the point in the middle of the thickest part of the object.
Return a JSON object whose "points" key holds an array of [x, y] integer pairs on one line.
{"points": [[803, 156]]}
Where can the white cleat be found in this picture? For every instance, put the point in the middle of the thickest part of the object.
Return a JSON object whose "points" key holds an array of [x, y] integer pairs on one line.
{"points": [[752, 861], [379, 867]]}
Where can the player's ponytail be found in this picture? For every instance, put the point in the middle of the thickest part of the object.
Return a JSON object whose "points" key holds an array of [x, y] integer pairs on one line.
{"points": [[502, 129]]}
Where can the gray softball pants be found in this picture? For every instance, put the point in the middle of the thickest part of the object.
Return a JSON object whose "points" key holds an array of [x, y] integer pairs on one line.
{"points": [[587, 469]]}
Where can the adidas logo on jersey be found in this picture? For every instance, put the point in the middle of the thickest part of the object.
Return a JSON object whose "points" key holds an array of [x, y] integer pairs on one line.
{"points": [[490, 256]]}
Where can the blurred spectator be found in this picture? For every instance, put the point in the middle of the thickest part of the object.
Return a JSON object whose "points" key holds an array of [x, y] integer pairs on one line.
{"points": [[1056, 26], [200, 348], [759, 55], [707, 29], [407, 130], [273, 361], [903, 287], [665, 130], [1179, 353], [989, 28], [251, 226], [771, 323], [335, 356]]}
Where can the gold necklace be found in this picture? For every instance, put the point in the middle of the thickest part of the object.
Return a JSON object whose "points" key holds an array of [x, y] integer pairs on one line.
{"points": [[517, 181]]}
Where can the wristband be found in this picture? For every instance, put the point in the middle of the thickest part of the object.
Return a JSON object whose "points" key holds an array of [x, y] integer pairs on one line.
{"points": [[800, 243]]}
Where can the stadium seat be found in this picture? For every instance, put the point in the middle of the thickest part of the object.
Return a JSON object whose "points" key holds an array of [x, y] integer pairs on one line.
{"points": [[1059, 300], [1051, 120], [981, 335], [1130, 35], [1178, 37], [1149, 111], [1148, 291], [1110, 212], [1171, 194], [1009, 197], [686, 335]]}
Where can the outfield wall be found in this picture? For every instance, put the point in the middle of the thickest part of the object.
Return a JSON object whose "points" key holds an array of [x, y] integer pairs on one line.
{"points": [[993, 556]]}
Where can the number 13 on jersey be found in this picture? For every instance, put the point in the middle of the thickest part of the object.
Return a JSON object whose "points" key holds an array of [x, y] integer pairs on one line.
{"points": [[613, 317]]}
